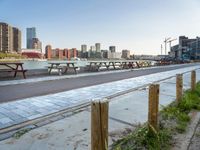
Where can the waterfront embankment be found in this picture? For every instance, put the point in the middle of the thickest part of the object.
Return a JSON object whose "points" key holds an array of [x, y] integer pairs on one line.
{"points": [[128, 106]]}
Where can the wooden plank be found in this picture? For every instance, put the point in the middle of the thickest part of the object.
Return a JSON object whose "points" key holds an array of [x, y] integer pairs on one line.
{"points": [[153, 106], [99, 125], [193, 80], [179, 87]]}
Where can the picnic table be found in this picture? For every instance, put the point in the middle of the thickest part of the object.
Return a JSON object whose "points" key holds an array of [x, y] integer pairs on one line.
{"points": [[122, 64], [62, 67], [13, 67]]}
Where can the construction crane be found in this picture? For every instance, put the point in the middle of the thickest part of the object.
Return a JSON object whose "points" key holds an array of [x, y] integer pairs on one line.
{"points": [[170, 42], [165, 41]]}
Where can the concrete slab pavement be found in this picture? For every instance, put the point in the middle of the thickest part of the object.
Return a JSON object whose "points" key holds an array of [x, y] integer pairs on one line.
{"points": [[23, 110], [73, 132]]}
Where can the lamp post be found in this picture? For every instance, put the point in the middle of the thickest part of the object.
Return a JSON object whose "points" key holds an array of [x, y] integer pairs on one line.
{"points": [[197, 42]]}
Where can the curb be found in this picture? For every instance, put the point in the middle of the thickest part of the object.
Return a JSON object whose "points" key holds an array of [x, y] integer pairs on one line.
{"points": [[183, 140], [41, 121]]}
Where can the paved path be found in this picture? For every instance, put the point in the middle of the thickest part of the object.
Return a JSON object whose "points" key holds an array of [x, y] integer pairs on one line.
{"points": [[19, 91], [73, 132], [16, 112], [195, 142]]}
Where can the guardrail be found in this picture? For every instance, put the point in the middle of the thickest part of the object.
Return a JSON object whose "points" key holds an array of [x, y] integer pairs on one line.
{"points": [[100, 113]]}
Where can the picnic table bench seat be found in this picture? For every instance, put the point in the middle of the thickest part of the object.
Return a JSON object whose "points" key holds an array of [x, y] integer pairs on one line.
{"points": [[10, 68]]}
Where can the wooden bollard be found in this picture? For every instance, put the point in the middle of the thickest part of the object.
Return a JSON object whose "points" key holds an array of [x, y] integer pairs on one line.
{"points": [[153, 105], [99, 125], [193, 80], [179, 87]]}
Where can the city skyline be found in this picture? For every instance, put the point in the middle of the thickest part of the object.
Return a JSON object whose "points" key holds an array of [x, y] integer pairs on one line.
{"points": [[137, 26]]}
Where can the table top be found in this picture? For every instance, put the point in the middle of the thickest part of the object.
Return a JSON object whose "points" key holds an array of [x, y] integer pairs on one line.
{"points": [[61, 62], [11, 63], [112, 61]]}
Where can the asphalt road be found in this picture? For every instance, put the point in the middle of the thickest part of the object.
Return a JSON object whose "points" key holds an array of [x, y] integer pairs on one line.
{"points": [[14, 92]]}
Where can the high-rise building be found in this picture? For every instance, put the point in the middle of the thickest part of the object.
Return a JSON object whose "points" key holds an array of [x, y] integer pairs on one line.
{"points": [[48, 52], [10, 38], [126, 54], [186, 49], [17, 39], [30, 34], [112, 49], [92, 48], [83, 48], [114, 55], [98, 47], [36, 44], [104, 53], [74, 52], [60, 53]]}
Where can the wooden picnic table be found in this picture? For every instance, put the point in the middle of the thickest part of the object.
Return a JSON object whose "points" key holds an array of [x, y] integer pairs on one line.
{"points": [[13, 67], [122, 64], [60, 66]]}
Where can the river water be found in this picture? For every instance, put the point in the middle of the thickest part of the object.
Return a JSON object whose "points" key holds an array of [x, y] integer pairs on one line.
{"points": [[32, 64], [35, 64]]}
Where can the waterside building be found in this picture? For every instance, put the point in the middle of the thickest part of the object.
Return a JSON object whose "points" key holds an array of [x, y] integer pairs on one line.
{"points": [[60, 53], [186, 49], [10, 38]]}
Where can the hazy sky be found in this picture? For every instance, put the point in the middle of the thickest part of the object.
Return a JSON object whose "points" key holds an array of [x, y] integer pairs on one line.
{"points": [[137, 25]]}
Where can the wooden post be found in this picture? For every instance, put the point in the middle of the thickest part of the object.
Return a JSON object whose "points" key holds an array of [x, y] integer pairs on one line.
{"points": [[179, 87], [153, 105], [193, 80], [99, 125]]}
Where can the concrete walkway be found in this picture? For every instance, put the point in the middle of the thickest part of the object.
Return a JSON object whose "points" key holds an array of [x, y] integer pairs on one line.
{"points": [[23, 110], [126, 110], [51, 78], [52, 84]]}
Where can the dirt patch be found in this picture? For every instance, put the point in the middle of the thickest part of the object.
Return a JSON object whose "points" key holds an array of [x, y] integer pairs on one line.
{"points": [[42, 136]]}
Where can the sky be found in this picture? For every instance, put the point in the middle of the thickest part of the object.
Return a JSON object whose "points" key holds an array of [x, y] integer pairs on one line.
{"points": [[137, 25]]}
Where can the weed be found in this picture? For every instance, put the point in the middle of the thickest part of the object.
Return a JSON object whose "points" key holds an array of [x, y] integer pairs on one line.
{"points": [[146, 137], [18, 134], [181, 127]]}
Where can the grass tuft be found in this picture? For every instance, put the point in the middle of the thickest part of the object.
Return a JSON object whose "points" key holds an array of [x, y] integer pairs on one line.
{"points": [[20, 133], [146, 137]]}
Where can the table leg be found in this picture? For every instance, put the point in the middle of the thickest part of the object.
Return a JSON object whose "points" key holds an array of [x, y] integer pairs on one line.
{"points": [[89, 69], [98, 66], [132, 65], [16, 70], [120, 65], [66, 69], [74, 68], [23, 71], [137, 64], [50, 68], [113, 65], [107, 66]]}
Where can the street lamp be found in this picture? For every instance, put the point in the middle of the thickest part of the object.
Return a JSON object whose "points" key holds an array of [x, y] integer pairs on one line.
{"points": [[197, 42]]}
